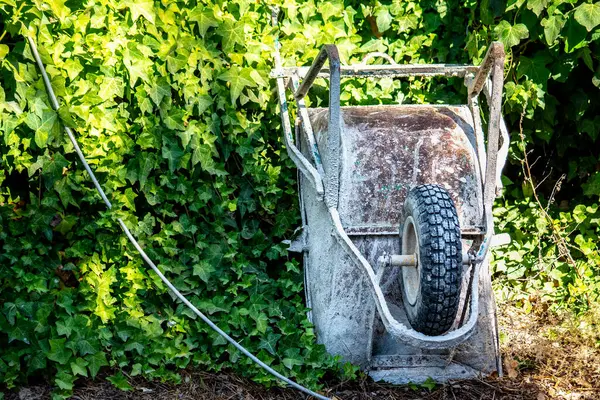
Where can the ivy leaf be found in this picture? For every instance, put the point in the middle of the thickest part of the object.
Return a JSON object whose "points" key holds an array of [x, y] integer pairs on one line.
{"points": [[65, 326], [110, 88], [66, 117], [173, 153], [329, 9], [85, 347], [42, 125], [552, 27], [269, 343], [119, 381], [588, 15], [58, 352], [591, 127], [205, 18], [73, 68], [233, 33], [18, 333], [64, 380], [139, 8], [174, 119], [575, 36], [78, 367], [95, 362], [203, 270], [129, 199], [137, 64], [147, 162], [41, 138], [383, 19], [3, 51], [511, 35], [535, 69], [290, 362], [37, 361], [238, 78], [537, 6], [59, 9]]}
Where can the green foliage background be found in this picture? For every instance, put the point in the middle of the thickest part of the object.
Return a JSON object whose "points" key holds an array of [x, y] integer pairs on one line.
{"points": [[173, 106]]}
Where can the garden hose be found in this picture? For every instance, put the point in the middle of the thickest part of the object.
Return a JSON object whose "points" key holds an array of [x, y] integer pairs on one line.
{"points": [[147, 259]]}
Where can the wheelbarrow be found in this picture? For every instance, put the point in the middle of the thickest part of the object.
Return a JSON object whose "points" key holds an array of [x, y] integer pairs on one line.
{"points": [[396, 204]]}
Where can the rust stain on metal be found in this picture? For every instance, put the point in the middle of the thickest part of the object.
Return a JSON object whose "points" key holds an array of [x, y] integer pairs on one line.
{"points": [[387, 150]]}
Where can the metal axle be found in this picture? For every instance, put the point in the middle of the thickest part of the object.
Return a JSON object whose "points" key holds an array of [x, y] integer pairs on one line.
{"points": [[409, 260]]}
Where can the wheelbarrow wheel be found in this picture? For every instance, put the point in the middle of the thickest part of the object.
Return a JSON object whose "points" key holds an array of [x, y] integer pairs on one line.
{"points": [[431, 231]]}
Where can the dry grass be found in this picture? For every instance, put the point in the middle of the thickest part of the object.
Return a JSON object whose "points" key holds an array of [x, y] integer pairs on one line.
{"points": [[556, 353], [545, 357]]}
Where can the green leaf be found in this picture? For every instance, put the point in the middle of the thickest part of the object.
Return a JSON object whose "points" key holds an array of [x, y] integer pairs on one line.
{"points": [[591, 127], [511, 35], [491, 9], [85, 347], [596, 78], [535, 69], [173, 154], [95, 362], [59, 9], [139, 8], [79, 366], [290, 362], [174, 119], [64, 380], [233, 33], [148, 161], [41, 138], [203, 270], [129, 199], [73, 68], [588, 15], [110, 88], [37, 361], [3, 51], [383, 19], [159, 90], [205, 18], [537, 6], [138, 65], [269, 343], [66, 117], [575, 36], [66, 224], [119, 381], [42, 125], [238, 79], [18, 333], [65, 326], [552, 27], [58, 352], [592, 186], [330, 9]]}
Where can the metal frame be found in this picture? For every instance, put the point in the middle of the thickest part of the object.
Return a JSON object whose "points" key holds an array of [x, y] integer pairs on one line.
{"points": [[325, 172]]}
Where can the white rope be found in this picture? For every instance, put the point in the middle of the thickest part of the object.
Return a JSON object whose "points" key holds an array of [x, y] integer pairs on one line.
{"points": [[177, 293]]}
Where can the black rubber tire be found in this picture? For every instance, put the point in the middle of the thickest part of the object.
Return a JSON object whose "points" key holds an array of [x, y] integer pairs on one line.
{"points": [[437, 231]]}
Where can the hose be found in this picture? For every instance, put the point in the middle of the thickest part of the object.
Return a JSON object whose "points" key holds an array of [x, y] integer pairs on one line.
{"points": [[147, 259]]}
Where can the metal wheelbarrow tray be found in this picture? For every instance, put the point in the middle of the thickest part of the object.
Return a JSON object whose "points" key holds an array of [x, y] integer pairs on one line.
{"points": [[396, 206]]}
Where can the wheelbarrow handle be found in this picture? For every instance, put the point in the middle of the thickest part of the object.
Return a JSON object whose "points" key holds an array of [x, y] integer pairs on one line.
{"points": [[495, 55], [331, 163]]}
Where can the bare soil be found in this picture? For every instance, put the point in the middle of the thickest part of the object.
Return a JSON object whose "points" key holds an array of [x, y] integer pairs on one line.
{"points": [[545, 357]]}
